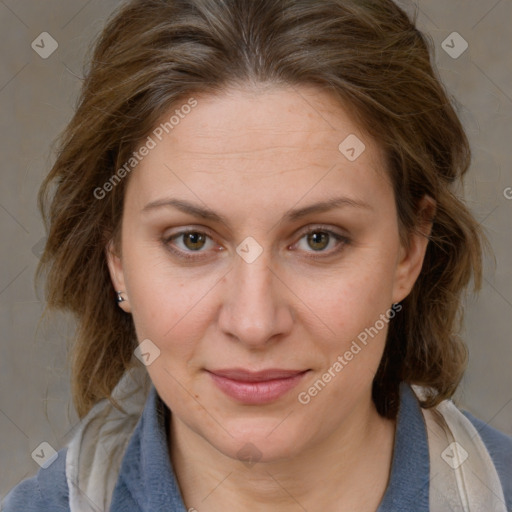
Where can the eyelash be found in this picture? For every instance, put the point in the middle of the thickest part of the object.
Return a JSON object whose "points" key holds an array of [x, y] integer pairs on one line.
{"points": [[341, 239]]}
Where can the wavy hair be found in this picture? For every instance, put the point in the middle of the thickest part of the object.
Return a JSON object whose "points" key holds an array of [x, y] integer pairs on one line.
{"points": [[368, 53]]}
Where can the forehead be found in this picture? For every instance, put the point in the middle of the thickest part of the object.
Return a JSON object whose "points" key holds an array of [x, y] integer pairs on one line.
{"points": [[256, 119], [280, 142]]}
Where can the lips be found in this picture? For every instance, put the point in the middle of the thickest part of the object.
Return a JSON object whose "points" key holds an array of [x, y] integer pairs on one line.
{"points": [[255, 388], [242, 375]]}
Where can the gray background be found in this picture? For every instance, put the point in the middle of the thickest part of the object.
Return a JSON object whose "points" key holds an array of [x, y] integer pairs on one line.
{"points": [[37, 97]]}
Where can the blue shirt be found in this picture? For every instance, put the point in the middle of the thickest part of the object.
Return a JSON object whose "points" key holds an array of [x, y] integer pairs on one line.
{"points": [[147, 482]]}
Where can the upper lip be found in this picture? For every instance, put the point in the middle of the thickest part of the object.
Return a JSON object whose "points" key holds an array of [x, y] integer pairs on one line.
{"points": [[259, 376]]}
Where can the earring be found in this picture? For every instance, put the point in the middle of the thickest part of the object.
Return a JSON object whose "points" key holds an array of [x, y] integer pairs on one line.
{"points": [[119, 298]]}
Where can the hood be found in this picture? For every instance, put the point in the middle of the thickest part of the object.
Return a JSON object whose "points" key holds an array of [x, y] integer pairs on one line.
{"points": [[96, 450]]}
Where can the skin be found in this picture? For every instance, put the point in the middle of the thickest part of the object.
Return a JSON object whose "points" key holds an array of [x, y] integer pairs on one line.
{"points": [[251, 155]]}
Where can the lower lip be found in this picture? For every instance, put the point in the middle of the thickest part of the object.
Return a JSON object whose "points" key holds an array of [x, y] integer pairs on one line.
{"points": [[256, 392]]}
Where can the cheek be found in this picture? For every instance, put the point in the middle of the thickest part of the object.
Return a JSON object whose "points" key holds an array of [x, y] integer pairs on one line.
{"points": [[350, 298], [165, 300], [174, 305], [357, 310]]}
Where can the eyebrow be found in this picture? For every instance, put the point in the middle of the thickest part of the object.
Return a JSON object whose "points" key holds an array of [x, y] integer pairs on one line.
{"points": [[290, 216]]}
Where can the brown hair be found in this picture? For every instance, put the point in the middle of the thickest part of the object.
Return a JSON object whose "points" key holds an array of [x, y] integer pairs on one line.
{"points": [[154, 53]]}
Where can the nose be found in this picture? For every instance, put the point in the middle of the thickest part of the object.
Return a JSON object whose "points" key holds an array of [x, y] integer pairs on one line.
{"points": [[255, 311]]}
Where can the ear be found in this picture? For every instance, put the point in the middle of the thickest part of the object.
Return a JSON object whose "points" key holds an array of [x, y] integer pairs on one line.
{"points": [[410, 260], [115, 266]]}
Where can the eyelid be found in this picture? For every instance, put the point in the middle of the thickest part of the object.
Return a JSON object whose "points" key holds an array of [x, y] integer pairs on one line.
{"points": [[341, 239], [189, 255]]}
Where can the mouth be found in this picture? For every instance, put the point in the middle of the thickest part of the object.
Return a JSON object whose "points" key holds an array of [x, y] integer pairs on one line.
{"points": [[256, 388]]}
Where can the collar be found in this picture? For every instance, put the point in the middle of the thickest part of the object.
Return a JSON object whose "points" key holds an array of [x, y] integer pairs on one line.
{"points": [[408, 487], [147, 480]]}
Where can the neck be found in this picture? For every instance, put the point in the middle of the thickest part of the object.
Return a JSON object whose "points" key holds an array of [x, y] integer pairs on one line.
{"points": [[349, 470]]}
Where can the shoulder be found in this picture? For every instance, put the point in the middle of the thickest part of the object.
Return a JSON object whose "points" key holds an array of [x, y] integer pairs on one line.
{"points": [[47, 491], [499, 446]]}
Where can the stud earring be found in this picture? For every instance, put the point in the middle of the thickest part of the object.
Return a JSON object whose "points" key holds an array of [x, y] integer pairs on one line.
{"points": [[119, 297]]}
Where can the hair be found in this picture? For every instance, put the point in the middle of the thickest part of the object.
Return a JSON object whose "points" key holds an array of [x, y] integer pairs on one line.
{"points": [[368, 54]]}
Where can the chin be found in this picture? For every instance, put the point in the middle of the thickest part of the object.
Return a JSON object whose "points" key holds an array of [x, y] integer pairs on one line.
{"points": [[259, 441], [260, 450]]}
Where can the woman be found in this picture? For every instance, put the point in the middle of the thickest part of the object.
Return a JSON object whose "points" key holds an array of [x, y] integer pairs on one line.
{"points": [[255, 225]]}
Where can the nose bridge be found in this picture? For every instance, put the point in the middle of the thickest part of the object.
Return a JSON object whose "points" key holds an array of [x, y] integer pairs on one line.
{"points": [[252, 311]]}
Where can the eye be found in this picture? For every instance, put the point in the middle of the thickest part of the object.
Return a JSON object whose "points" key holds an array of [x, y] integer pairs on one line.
{"points": [[193, 241], [318, 238]]}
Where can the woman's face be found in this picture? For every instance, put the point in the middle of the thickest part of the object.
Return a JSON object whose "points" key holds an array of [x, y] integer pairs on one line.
{"points": [[248, 289]]}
